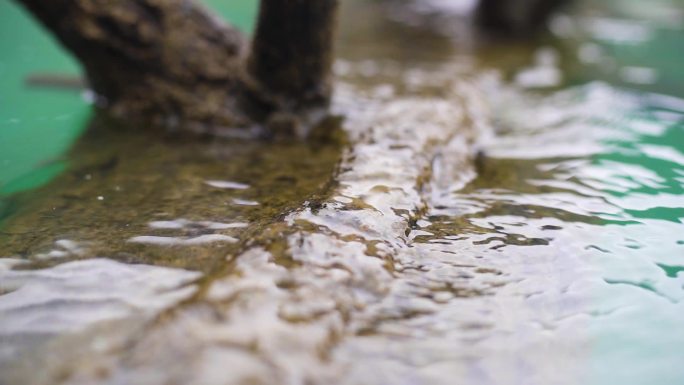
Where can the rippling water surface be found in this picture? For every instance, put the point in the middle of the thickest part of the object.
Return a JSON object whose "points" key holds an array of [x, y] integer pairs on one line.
{"points": [[496, 213]]}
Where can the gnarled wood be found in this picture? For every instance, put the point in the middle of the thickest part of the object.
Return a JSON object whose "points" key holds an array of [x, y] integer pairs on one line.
{"points": [[174, 62], [166, 59], [291, 60]]}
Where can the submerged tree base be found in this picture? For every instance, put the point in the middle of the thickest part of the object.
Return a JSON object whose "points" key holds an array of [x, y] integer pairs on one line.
{"points": [[168, 60], [172, 63]]}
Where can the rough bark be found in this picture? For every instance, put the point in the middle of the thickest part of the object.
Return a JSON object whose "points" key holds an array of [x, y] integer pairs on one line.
{"points": [[174, 62], [291, 61]]}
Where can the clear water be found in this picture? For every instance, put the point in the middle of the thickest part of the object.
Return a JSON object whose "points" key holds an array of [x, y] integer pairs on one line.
{"points": [[503, 213]]}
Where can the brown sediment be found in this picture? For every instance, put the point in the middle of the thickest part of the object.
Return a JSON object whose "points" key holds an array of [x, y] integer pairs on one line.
{"points": [[123, 178]]}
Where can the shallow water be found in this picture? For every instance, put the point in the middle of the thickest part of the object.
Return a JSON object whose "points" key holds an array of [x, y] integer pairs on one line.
{"points": [[500, 215]]}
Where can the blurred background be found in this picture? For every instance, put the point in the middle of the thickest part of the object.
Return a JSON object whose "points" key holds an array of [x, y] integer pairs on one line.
{"points": [[635, 43]]}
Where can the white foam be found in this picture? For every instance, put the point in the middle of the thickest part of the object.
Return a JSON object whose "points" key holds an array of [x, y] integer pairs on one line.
{"points": [[182, 241]]}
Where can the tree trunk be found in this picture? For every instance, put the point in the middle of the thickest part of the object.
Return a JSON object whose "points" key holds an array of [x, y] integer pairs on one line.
{"points": [[173, 62], [291, 60]]}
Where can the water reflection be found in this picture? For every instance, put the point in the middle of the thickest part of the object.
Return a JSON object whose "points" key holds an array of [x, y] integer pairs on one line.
{"points": [[582, 228], [39, 305]]}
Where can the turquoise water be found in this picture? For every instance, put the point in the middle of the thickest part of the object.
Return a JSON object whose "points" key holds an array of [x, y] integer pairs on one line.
{"points": [[36, 125], [592, 202]]}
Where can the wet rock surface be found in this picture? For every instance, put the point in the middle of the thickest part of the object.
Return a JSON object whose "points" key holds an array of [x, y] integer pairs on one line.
{"points": [[472, 232]]}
